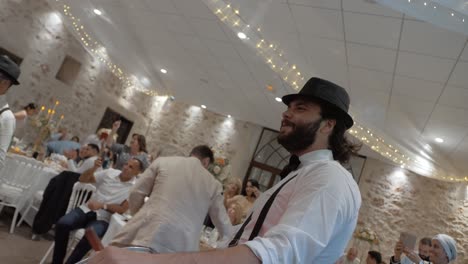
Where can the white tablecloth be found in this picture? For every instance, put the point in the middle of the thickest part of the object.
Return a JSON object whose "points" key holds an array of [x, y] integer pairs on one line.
{"points": [[116, 224], [40, 176]]}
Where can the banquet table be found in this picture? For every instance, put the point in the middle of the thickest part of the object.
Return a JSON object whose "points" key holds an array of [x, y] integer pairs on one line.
{"points": [[117, 222], [39, 175]]}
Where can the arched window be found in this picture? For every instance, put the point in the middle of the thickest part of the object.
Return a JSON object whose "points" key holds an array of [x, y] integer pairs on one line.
{"points": [[270, 157], [268, 160]]}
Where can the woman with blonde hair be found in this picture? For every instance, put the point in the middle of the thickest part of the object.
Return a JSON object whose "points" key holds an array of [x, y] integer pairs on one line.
{"points": [[251, 192], [235, 213], [232, 187]]}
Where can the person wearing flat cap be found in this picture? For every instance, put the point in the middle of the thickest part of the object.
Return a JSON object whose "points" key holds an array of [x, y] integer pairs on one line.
{"points": [[9, 74], [310, 215], [443, 251]]}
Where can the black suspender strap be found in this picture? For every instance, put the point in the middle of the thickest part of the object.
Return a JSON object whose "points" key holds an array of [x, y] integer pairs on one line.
{"points": [[4, 109], [261, 217]]}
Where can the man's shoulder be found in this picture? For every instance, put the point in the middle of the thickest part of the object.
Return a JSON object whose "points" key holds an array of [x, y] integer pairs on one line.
{"points": [[333, 178], [326, 170], [179, 161], [7, 117]]}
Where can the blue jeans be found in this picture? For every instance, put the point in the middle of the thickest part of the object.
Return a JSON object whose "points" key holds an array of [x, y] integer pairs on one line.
{"points": [[75, 219]]}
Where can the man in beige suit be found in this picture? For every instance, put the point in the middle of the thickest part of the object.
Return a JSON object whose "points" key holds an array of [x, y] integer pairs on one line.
{"points": [[180, 193]]}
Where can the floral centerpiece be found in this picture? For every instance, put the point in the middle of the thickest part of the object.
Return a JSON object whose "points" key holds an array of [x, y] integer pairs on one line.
{"points": [[218, 166], [367, 234]]}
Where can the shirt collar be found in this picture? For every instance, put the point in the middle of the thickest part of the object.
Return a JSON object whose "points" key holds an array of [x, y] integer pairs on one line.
{"points": [[322, 154]]}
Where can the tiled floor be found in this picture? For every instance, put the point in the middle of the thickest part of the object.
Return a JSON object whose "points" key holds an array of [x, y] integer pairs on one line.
{"points": [[18, 248]]}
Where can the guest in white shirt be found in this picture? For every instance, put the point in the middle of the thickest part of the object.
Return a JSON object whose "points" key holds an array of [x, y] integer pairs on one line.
{"points": [[112, 189], [443, 251], [316, 207], [90, 153], [180, 193], [423, 251], [350, 257], [9, 74]]}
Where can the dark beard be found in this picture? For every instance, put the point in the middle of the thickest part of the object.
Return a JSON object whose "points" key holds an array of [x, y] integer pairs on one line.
{"points": [[301, 137]]}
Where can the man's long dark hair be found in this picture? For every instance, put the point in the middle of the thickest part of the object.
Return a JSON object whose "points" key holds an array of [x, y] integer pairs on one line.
{"points": [[341, 147]]}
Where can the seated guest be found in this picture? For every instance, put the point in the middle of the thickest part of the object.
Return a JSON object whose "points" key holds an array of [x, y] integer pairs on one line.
{"points": [[137, 147], [112, 189], [350, 257], [374, 257], [235, 213], [251, 193], [232, 187], [443, 251], [76, 139], [424, 247], [90, 153], [180, 191], [72, 155]]}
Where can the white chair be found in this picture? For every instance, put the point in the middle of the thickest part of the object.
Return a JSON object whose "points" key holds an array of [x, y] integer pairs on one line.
{"points": [[34, 204], [16, 180], [81, 192], [35, 200]]}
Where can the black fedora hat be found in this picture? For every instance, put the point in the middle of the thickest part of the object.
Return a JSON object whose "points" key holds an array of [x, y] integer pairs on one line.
{"points": [[10, 68], [325, 91]]}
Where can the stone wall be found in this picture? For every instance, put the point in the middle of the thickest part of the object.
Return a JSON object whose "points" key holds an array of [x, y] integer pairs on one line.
{"points": [[33, 31], [395, 200]]}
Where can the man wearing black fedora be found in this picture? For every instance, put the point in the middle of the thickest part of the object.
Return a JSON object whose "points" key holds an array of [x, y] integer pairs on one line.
{"points": [[9, 73], [310, 215]]}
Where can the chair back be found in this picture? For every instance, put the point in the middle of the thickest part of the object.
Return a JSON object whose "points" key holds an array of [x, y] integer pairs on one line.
{"points": [[80, 195], [19, 173]]}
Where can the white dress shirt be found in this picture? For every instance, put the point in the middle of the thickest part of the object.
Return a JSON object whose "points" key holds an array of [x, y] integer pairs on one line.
{"points": [[109, 190], [7, 129], [312, 218], [82, 166]]}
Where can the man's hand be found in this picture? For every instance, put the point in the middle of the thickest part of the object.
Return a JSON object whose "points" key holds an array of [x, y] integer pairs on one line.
{"points": [[113, 255], [398, 251], [413, 256], [116, 125], [98, 163], [95, 205]]}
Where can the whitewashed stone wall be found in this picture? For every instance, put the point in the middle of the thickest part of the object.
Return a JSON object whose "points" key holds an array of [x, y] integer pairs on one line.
{"points": [[395, 200], [392, 201], [33, 31]]}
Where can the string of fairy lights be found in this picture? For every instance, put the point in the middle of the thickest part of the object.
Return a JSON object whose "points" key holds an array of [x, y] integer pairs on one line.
{"points": [[431, 4], [274, 57], [100, 53]]}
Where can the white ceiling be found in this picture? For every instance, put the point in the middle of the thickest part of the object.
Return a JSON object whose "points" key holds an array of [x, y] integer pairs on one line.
{"points": [[406, 77]]}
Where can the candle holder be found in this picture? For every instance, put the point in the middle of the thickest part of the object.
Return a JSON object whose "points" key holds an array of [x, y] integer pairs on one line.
{"points": [[45, 124]]}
